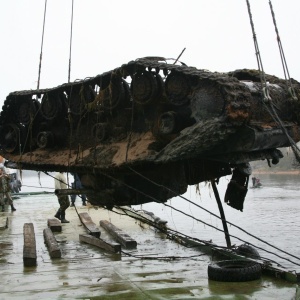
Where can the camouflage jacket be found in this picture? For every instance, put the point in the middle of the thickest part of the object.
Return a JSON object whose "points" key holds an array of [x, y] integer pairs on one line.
{"points": [[4, 183]]}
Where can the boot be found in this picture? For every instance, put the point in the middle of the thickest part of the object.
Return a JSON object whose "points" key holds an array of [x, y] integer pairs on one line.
{"points": [[63, 218], [83, 204], [57, 215], [72, 204], [12, 207]]}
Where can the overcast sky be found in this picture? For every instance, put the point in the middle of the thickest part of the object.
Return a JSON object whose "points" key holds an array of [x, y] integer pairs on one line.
{"points": [[216, 34]]}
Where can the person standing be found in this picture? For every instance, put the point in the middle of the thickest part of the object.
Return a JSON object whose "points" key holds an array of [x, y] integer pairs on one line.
{"points": [[5, 190], [60, 182], [77, 185]]}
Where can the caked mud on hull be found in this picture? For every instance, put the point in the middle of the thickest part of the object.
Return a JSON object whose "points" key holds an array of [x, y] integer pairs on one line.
{"points": [[145, 131]]}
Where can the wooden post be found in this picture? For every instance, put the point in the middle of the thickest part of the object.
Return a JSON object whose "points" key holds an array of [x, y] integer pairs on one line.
{"points": [[227, 236], [112, 247], [29, 249], [118, 234], [54, 225], [89, 224], [54, 250]]}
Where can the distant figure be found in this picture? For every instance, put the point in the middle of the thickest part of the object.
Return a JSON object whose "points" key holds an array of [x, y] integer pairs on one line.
{"points": [[257, 184], [77, 185], [253, 181], [5, 190], [15, 183], [60, 182]]}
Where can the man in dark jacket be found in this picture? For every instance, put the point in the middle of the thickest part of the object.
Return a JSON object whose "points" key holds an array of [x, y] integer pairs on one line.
{"points": [[77, 185]]}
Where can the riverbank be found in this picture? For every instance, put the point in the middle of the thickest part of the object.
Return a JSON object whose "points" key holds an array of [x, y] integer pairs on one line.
{"points": [[280, 172]]}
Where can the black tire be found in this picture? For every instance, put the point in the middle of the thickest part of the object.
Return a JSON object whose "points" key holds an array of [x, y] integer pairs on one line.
{"points": [[247, 251], [234, 271]]}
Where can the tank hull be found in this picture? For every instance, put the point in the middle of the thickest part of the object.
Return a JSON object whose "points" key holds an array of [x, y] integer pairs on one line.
{"points": [[145, 131]]}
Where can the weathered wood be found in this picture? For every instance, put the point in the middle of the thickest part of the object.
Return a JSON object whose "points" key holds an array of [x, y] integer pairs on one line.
{"points": [[54, 225], [118, 234], [53, 248], [29, 248], [112, 247], [90, 225], [3, 222]]}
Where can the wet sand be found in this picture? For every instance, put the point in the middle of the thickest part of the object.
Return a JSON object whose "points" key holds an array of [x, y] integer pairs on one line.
{"points": [[87, 272]]}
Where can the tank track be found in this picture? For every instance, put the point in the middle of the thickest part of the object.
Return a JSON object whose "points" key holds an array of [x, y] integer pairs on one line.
{"points": [[165, 120]]}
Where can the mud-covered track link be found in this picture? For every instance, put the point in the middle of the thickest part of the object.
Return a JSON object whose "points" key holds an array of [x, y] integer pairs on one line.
{"points": [[158, 92]]}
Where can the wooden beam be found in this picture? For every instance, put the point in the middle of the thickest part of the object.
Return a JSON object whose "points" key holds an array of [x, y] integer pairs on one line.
{"points": [[118, 234], [54, 250], [54, 225], [112, 247], [89, 224], [29, 248]]}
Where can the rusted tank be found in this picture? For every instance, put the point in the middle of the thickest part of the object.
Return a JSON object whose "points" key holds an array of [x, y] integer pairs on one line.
{"points": [[146, 130]]}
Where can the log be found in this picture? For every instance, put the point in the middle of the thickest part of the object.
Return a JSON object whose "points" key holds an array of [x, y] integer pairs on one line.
{"points": [[53, 248], [29, 248], [54, 225], [112, 247], [123, 238], [89, 224]]}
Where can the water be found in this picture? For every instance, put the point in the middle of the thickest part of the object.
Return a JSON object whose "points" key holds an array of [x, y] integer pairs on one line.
{"points": [[270, 213]]}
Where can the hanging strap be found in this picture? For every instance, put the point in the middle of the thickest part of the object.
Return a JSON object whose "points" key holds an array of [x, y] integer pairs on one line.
{"points": [[282, 56], [41, 54]]}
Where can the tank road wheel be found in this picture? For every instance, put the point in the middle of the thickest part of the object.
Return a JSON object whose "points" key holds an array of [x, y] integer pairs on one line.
{"points": [[113, 95], [78, 98], [45, 139], [51, 106], [10, 137], [99, 132], [234, 270], [27, 111], [177, 88], [145, 87], [167, 123]]}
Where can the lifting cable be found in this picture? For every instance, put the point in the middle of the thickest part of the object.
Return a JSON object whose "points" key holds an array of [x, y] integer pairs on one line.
{"points": [[71, 42], [266, 97], [258, 58], [41, 54], [196, 219], [282, 56]]}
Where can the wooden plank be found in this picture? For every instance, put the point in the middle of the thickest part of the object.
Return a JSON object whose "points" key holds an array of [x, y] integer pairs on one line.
{"points": [[3, 222], [29, 248], [112, 247], [123, 238], [90, 225], [53, 248], [54, 225]]}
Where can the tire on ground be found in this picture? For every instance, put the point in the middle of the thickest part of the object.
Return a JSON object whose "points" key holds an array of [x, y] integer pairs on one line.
{"points": [[234, 270], [247, 251]]}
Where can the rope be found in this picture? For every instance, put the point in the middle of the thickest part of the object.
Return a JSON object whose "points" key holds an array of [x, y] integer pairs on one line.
{"points": [[264, 84], [282, 56], [71, 42], [209, 225], [41, 54], [196, 219]]}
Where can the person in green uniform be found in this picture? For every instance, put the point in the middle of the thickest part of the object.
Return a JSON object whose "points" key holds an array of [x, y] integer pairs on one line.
{"points": [[5, 190]]}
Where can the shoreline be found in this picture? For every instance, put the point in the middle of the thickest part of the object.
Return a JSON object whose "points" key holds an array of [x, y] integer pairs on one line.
{"points": [[279, 172]]}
